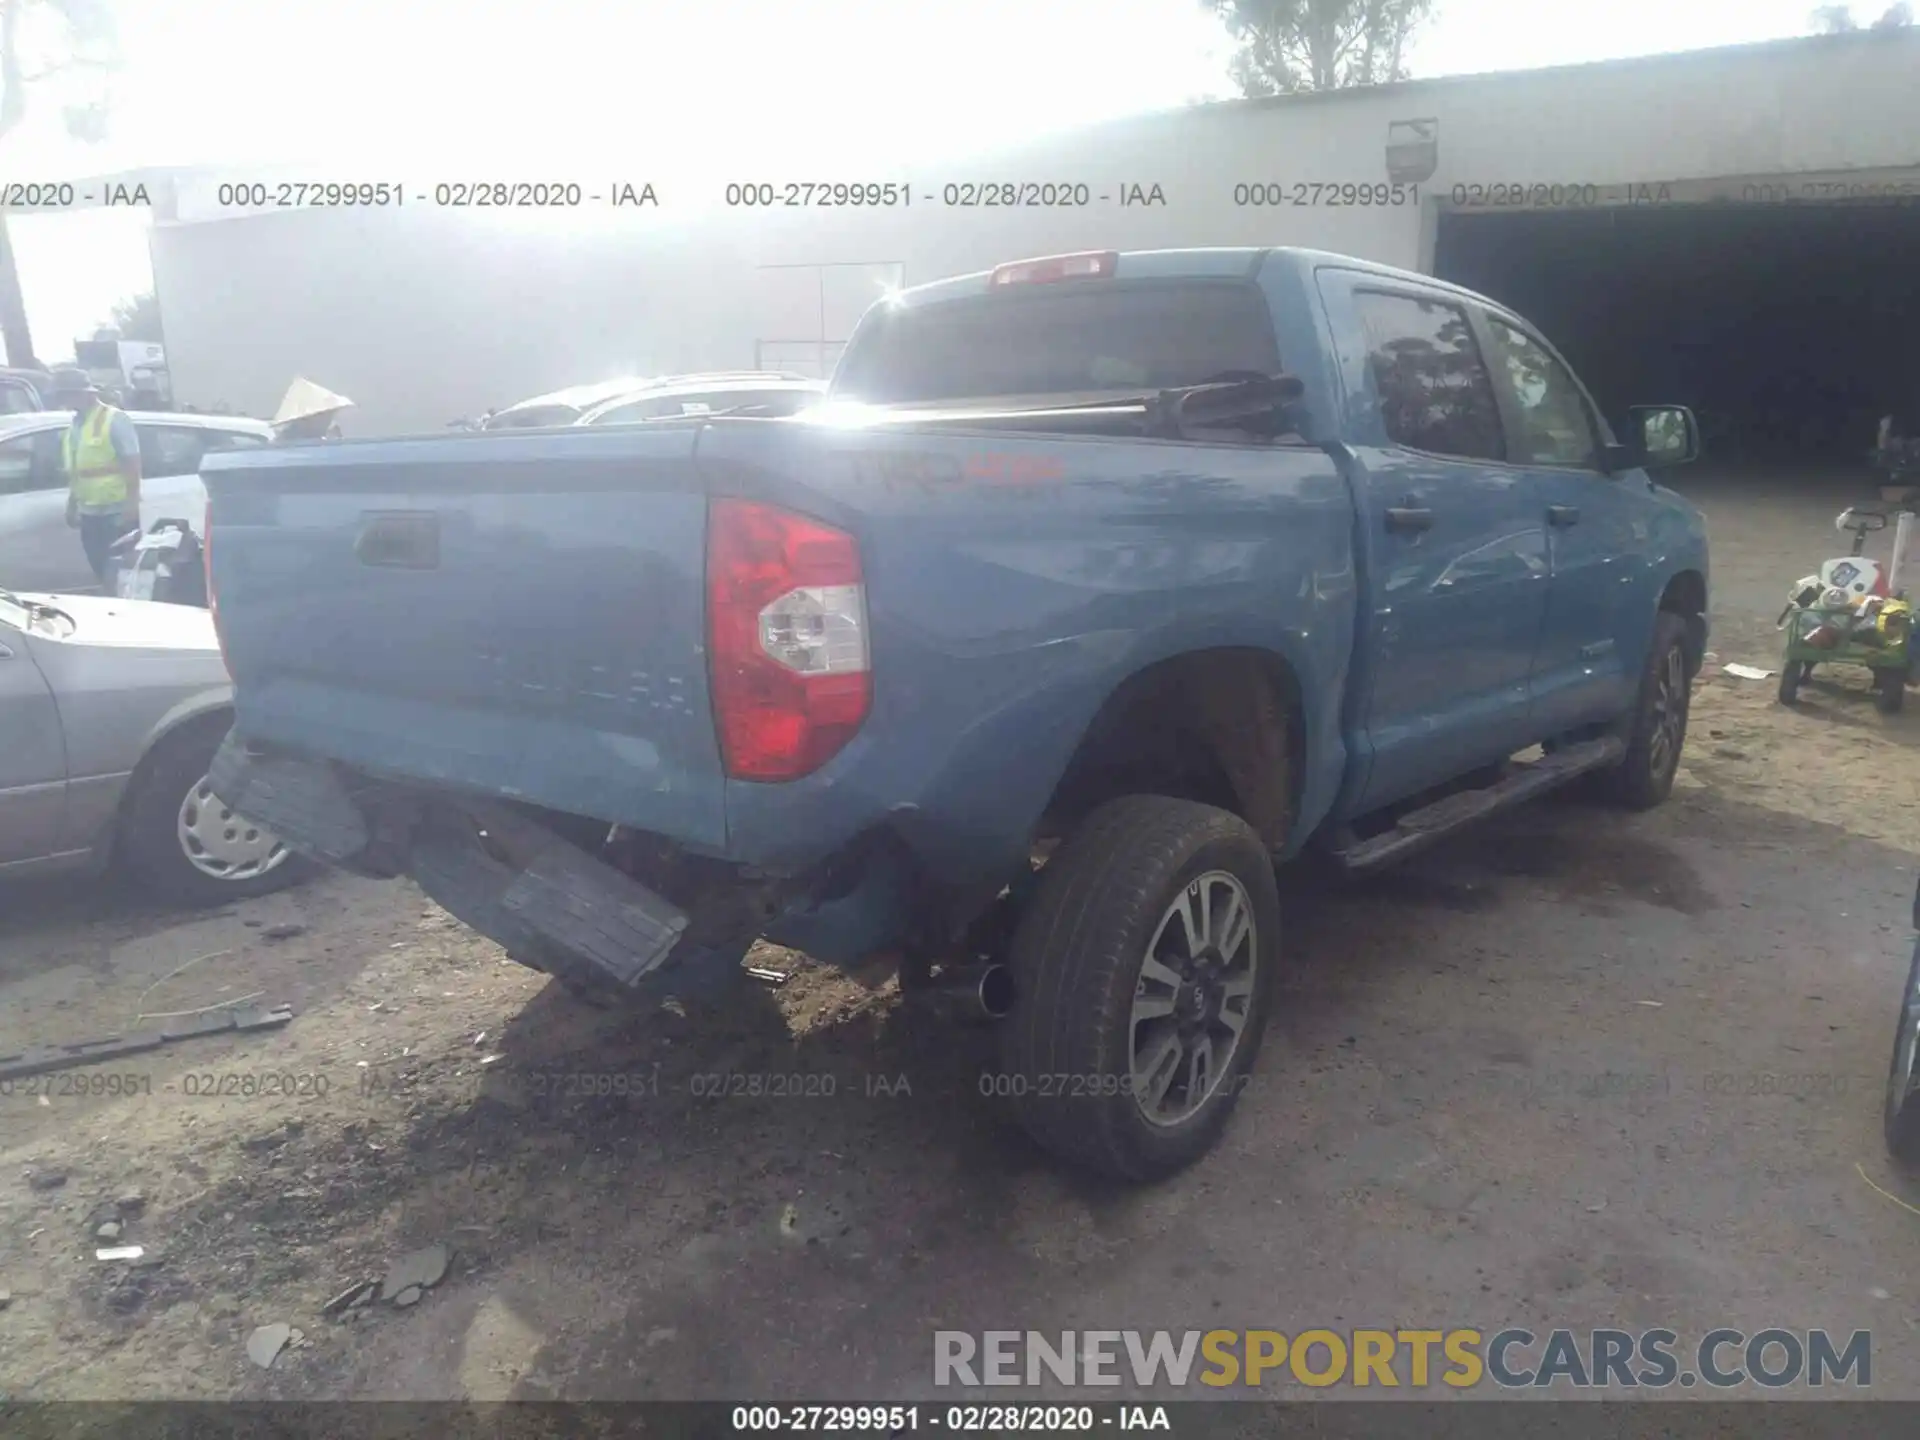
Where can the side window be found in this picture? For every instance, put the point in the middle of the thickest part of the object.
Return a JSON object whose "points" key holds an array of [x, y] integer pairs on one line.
{"points": [[1553, 427], [769, 402], [232, 440], [656, 409], [50, 459], [16, 465], [168, 450], [17, 399], [1435, 392]]}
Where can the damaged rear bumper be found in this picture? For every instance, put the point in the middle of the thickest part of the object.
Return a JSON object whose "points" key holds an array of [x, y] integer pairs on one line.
{"points": [[546, 901]]}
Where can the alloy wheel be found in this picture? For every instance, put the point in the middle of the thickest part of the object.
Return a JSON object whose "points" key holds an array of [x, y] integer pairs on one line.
{"points": [[1191, 998]]}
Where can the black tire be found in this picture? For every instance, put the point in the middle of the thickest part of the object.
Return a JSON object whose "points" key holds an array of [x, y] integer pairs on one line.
{"points": [[1080, 966], [1900, 1116], [150, 841], [1889, 691], [1656, 728], [1791, 674]]}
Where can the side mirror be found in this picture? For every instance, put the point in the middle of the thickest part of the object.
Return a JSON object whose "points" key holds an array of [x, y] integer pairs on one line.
{"points": [[1664, 435]]}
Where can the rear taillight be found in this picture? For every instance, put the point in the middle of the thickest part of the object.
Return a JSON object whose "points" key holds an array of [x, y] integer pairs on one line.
{"points": [[787, 634], [1089, 265]]}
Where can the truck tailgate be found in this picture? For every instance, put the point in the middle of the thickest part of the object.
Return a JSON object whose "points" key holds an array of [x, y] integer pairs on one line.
{"points": [[561, 584]]}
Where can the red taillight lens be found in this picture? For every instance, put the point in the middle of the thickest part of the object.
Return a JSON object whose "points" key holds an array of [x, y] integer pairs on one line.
{"points": [[1090, 265], [787, 636]]}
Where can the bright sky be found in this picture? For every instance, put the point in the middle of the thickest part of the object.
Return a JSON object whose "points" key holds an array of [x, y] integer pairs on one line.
{"points": [[569, 89]]}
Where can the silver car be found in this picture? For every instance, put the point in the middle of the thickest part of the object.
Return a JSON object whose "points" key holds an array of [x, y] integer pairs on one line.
{"points": [[110, 711], [37, 549]]}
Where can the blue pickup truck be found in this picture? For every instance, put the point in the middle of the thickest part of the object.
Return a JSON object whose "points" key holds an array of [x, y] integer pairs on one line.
{"points": [[1097, 585]]}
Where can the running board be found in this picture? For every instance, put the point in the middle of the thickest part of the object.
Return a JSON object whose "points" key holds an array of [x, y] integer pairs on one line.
{"points": [[1420, 828]]}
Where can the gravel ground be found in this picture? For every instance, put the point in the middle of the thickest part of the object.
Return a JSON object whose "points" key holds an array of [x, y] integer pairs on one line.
{"points": [[1574, 1069]]}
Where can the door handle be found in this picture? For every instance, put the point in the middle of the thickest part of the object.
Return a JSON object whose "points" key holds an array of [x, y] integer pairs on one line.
{"points": [[1409, 518], [1563, 515]]}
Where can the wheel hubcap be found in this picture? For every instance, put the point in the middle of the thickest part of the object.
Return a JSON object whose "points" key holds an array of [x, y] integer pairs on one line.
{"points": [[1191, 998], [1669, 713], [219, 843]]}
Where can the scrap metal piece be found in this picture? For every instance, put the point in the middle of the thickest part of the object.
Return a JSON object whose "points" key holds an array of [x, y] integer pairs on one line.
{"points": [[44, 1059]]}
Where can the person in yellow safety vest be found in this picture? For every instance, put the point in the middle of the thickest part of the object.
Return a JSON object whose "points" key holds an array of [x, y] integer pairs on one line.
{"points": [[101, 456]]}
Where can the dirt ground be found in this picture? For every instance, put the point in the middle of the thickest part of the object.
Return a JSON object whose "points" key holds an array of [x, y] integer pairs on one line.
{"points": [[1576, 1068]]}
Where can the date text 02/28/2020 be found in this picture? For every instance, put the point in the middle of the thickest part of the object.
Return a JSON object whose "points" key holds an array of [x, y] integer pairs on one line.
{"points": [[953, 1419], [457, 194], [953, 195]]}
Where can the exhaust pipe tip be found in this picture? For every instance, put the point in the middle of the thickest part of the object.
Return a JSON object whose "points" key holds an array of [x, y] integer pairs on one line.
{"points": [[971, 993], [995, 992]]}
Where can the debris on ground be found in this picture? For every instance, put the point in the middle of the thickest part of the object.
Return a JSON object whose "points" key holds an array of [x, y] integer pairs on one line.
{"points": [[422, 1270], [108, 1230], [409, 1296], [6, 1298], [272, 1139], [265, 1344], [119, 1252], [282, 932], [224, 1020], [44, 1180], [769, 974], [1747, 672], [351, 1298], [790, 1220]]}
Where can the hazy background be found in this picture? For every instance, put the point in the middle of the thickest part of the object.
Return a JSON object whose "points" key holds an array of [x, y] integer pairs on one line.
{"points": [[483, 89]]}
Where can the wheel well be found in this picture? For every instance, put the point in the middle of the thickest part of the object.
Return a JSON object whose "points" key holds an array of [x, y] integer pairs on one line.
{"points": [[1686, 595], [1221, 726], [218, 720]]}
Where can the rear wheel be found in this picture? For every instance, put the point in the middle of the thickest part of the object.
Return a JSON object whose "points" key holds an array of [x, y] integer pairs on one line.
{"points": [[1900, 1116], [1791, 674], [183, 843], [1889, 691], [1143, 971], [1657, 726]]}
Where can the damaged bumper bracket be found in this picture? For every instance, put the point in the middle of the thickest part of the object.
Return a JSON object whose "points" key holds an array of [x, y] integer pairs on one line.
{"points": [[524, 887]]}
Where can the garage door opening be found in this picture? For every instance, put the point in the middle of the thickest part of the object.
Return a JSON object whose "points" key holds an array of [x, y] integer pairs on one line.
{"points": [[1789, 328]]}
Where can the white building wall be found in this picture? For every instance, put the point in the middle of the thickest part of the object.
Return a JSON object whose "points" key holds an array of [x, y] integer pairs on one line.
{"points": [[424, 315]]}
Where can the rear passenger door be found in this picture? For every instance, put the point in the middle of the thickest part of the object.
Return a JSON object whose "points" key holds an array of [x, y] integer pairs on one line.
{"points": [[1453, 538], [33, 752], [1597, 535]]}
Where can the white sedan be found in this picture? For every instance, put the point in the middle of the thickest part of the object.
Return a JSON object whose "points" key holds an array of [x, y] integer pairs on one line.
{"points": [[38, 551]]}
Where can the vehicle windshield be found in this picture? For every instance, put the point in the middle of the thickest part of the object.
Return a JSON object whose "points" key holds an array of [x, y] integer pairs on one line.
{"points": [[1076, 338]]}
